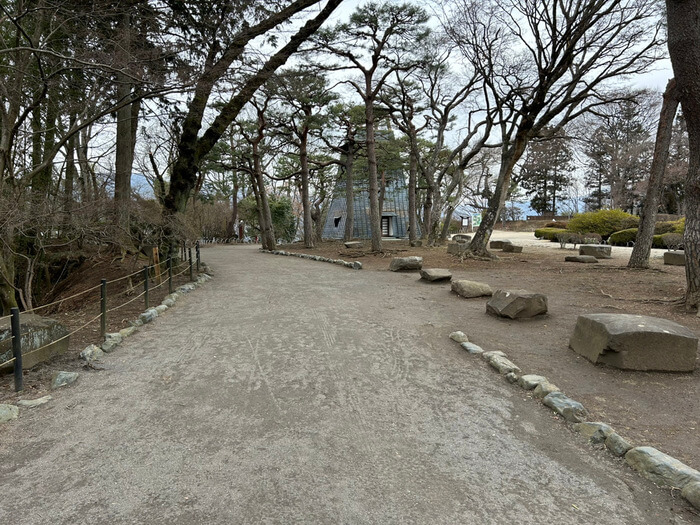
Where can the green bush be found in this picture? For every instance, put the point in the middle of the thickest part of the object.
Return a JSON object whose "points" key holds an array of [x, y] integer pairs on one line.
{"points": [[623, 237], [561, 224], [603, 222], [664, 227], [679, 225], [657, 241], [549, 234], [672, 241]]}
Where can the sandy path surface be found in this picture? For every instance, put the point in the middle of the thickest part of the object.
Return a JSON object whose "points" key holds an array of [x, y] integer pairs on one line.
{"points": [[289, 391]]}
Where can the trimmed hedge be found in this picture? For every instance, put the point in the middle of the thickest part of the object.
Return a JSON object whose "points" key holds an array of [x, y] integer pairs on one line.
{"points": [[602, 222], [549, 234], [623, 237]]}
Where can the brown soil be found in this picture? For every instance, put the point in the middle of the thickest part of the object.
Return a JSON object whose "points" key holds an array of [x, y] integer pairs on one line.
{"points": [[76, 301], [647, 408]]}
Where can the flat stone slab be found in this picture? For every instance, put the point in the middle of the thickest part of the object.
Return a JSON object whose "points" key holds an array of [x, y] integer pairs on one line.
{"points": [[581, 259], [33, 403], [599, 251], [530, 381], [498, 245], [461, 237], [517, 304], [661, 468], [8, 413], [676, 258], [353, 244], [512, 248], [411, 263], [436, 274], [471, 289], [635, 342]]}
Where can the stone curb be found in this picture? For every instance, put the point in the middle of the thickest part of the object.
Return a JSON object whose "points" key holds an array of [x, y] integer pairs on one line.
{"points": [[660, 468], [355, 265], [93, 353]]}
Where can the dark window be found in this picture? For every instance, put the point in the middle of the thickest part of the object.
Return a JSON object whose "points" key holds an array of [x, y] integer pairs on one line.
{"points": [[336, 221]]}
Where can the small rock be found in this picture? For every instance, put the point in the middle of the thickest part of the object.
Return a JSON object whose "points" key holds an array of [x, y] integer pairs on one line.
{"points": [[544, 389], [472, 348], [353, 244], [661, 468], [8, 413], [459, 337], [596, 432], [470, 289], [493, 353], [416, 244], [357, 265], [168, 302], [173, 296], [503, 365], [691, 492], [617, 444], [148, 316], [161, 308], [33, 403], [569, 409], [186, 288], [126, 332], [512, 377], [137, 323], [406, 263], [580, 259], [111, 342], [61, 379], [530, 381], [435, 274], [512, 248], [91, 353]]}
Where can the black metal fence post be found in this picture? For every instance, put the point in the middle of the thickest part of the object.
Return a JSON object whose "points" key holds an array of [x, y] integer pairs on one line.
{"points": [[16, 347], [191, 273], [103, 309], [170, 275], [196, 248], [145, 285]]}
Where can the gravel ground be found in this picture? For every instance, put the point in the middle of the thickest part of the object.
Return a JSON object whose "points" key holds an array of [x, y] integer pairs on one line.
{"points": [[286, 391]]}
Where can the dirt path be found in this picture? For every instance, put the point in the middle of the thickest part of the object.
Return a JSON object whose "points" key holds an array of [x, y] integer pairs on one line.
{"points": [[287, 391]]}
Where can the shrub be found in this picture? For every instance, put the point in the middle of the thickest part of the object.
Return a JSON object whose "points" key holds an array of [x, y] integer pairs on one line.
{"points": [[603, 222], [568, 238], [562, 224], [549, 234], [664, 227], [623, 237], [679, 225], [657, 242], [672, 241], [590, 238]]}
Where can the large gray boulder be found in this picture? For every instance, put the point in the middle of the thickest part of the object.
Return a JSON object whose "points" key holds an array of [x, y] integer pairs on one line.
{"points": [[661, 468], [498, 245], [676, 258], [635, 342], [599, 251], [436, 274], [517, 304], [470, 289], [399, 264]]}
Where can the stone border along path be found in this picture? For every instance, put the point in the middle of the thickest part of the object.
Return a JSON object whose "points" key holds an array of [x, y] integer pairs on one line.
{"points": [[355, 265], [93, 352], [654, 465]]}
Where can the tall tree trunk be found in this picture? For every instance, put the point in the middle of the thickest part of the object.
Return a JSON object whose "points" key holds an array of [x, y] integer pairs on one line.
{"points": [[349, 189], [645, 234], [412, 182], [71, 172], [267, 233], [684, 49], [305, 200], [374, 212]]}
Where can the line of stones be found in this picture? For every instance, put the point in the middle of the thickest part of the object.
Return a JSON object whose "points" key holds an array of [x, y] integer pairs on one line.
{"points": [[355, 265], [654, 465], [93, 352]]}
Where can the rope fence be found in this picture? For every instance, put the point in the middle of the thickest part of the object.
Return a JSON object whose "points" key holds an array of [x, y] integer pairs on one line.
{"points": [[145, 273]]}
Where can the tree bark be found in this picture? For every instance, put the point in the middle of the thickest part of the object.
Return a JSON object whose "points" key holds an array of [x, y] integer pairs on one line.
{"points": [[349, 188], [374, 213], [305, 200], [647, 221], [684, 50], [412, 181]]}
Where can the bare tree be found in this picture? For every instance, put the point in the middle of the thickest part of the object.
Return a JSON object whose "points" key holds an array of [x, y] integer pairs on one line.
{"points": [[545, 63]]}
